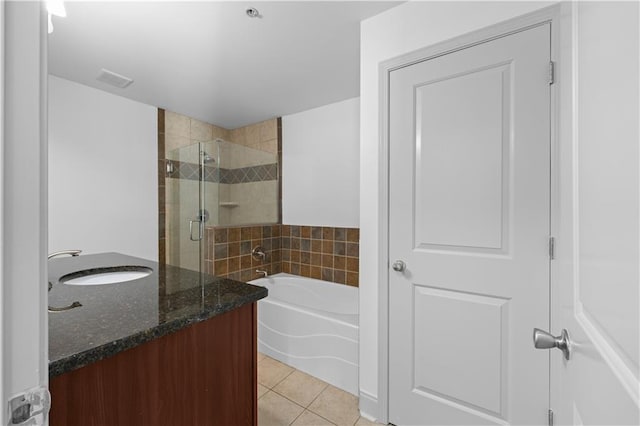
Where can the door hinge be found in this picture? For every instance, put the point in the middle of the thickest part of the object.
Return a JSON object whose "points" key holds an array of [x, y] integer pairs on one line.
{"points": [[550, 414], [552, 248], [31, 407], [552, 72]]}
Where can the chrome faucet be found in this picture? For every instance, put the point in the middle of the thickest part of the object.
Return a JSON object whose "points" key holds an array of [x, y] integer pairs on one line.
{"points": [[263, 272], [73, 253], [75, 304], [258, 253]]}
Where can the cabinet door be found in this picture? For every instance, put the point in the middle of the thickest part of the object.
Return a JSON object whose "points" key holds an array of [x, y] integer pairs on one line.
{"points": [[203, 374]]}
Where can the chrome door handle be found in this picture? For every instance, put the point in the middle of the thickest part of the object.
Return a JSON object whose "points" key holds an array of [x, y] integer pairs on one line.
{"points": [[544, 340], [191, 222], [399, 266]]}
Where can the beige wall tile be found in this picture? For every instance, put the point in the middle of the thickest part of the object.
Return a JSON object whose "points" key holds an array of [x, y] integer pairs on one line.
{"points": [[201, 131], [253, 135], [269, 130], [176, 124], [239, 135], [269, 146], [257, 203], [173, 142], [220, 132]]}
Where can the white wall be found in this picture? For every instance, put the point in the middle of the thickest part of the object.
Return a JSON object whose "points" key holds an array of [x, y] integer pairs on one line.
{"points": [[400, 30], [103, 185], [320, 166]]}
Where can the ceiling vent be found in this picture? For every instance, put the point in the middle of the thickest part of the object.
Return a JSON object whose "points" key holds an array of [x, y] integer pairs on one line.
{"points": [[114, 79]]}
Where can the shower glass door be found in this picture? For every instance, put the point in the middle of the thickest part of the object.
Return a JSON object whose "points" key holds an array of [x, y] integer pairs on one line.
{"points": [[191, 204]]}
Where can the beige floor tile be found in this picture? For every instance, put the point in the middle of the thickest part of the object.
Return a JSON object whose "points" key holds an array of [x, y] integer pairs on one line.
{"points": [[336, 405], [276, 410], [271, 372], [261, 356], [364, 422], [301, 388], [310, 419], [262, 390]]}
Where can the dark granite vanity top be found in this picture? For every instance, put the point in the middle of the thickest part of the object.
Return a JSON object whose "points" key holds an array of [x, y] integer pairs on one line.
{"points": [[116, 317]]}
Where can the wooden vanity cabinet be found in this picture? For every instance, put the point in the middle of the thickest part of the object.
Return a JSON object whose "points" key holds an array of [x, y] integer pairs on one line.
{"points": [[203, 374]]}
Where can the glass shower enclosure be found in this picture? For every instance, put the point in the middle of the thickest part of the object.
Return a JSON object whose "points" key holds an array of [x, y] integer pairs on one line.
{"points": [[191, 202], [210, 184]]}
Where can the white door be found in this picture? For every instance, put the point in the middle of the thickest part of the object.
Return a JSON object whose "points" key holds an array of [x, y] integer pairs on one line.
{"points": [[597, 263], [23, 201], [470, 216]]}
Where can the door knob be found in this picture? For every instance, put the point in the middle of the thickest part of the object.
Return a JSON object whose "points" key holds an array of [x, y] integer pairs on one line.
{"points": [[544, 340], [399, 266]]}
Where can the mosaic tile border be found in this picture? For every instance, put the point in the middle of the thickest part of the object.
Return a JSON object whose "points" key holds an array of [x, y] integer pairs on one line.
{"points": [[191, 171]]}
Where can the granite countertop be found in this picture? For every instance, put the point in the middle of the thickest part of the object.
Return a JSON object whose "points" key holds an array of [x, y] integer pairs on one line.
{"points": [[116, 317]]}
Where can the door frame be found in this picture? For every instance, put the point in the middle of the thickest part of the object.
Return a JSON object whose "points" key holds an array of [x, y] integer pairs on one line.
{"points": [[550, 14], [3, 420], [23, 201]]}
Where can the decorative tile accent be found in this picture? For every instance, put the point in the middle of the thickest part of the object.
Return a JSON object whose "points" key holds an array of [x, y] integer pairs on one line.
{"points": [[309, 251], [191, 171]]}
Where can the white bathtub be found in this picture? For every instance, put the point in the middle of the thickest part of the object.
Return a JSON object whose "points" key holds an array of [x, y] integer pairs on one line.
{"points": [[311, 325]]}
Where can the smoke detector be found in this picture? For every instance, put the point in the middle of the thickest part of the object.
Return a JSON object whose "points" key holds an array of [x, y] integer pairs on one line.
{"points": [[252, 12], [114, 79]]}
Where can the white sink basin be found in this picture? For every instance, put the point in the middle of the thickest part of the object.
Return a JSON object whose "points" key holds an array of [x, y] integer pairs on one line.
{"points": [[110, 275]]}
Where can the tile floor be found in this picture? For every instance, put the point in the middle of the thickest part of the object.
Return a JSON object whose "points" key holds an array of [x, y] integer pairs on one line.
{"points": [[287, 396]]}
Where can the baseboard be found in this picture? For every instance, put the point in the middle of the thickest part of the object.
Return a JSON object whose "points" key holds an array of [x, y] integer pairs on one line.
{"points": [[368, 405]]}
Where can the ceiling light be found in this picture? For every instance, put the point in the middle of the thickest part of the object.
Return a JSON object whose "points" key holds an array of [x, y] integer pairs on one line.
{"points": [[252, 12], [54, 7]]}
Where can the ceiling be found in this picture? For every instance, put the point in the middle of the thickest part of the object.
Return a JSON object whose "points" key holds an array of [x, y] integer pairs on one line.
{"points": [[210, 61]]}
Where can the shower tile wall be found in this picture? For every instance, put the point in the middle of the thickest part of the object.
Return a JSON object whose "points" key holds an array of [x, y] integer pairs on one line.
{"points": [[229, 251], [235, 200], [256, 201], [326, 253]]}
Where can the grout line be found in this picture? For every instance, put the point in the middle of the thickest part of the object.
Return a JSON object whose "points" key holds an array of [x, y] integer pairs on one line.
{"points": [[297, 403], [294, 420], [291, 372], [268, 390], [311, 411], [318, 395]]}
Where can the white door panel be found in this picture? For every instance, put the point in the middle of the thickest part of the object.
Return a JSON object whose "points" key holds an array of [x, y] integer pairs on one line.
{"points": [[600, 294], [469, 209], [469, 214]]}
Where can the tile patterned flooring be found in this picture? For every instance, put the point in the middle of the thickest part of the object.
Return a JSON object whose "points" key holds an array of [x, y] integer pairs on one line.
{"points": [[287, 396]]}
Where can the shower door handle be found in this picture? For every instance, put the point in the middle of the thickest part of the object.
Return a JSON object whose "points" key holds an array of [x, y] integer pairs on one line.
{"points": [[200, 226]]}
